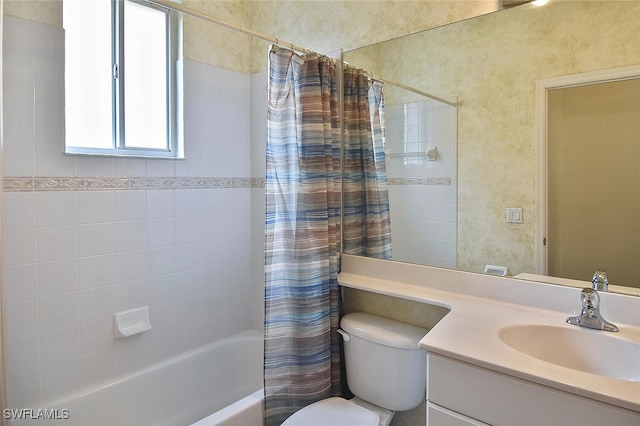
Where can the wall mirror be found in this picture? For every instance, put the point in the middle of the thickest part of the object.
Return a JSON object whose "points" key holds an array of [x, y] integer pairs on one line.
{"points": [[475, 206]]}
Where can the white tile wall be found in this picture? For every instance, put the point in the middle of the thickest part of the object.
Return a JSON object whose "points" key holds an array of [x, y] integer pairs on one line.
{"points": [[423, 224], [423, 217], [74, 258]]}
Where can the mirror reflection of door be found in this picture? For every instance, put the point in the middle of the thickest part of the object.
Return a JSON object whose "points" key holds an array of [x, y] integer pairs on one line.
{"points": [[594, 181]]}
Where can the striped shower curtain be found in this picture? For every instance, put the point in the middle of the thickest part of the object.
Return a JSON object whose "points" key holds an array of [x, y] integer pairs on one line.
{"points": [[367, 221], [302, 231]]}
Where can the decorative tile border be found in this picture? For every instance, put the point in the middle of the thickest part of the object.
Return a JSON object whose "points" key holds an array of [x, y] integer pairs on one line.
{"points": [[17, 184], [419, 181], [26, 184]]}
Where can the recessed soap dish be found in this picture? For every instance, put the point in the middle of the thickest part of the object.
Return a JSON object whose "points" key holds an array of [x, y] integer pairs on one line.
{"points": [[132, 321]]}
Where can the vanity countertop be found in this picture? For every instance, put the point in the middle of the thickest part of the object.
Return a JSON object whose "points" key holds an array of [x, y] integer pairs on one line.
{"points": [[481, 305]]}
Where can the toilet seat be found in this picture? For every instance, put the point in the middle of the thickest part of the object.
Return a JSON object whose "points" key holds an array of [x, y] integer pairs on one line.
{"points": [[335, 412]]}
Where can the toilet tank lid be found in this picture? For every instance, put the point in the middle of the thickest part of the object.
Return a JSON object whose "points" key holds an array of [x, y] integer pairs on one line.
{"points": [[383, 330]]}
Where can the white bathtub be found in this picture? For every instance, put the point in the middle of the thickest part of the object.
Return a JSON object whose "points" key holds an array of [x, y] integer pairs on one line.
{"points": [[245, 412], [216, 384]]}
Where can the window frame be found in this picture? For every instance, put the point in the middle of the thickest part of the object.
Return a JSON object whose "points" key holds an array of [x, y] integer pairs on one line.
{"points": [[173, 42]]}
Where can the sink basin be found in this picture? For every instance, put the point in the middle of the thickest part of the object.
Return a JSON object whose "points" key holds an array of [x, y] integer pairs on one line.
{"points": [[589, 351]]}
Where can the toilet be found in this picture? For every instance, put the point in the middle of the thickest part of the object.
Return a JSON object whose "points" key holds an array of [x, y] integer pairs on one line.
{"points": [[386, 371]]}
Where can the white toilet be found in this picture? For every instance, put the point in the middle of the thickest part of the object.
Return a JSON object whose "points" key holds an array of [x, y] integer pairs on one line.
{"points": [[386, 371]]}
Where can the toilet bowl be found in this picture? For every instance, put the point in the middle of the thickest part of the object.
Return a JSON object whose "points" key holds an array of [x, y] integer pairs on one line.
{"points": [[386, 370]]}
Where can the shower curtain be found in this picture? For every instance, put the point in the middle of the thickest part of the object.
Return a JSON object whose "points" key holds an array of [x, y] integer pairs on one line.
{"points": [[302, 234], [367, 220]]}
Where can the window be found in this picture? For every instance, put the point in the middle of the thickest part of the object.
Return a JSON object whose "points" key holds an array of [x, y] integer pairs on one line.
{"points": [[121, 84]]}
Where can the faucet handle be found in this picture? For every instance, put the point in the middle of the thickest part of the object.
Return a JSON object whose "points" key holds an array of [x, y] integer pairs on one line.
{"points": [[600, 281], [590, 298]]}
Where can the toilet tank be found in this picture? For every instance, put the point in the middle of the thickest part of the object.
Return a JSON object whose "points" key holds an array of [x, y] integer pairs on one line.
{"points": [[384, 364]]}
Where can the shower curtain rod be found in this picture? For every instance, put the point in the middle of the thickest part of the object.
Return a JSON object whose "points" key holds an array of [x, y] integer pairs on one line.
{"points": [[411, 89], [187, 11]]}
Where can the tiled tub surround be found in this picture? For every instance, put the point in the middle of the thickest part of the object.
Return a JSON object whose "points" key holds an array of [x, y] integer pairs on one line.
{"points": [[73, 259], [480, 305], [423, 220], [85, 237], [422, 193]]}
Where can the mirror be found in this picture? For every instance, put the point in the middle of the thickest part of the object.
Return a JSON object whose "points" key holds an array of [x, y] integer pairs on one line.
{"points": [[491, 63]]}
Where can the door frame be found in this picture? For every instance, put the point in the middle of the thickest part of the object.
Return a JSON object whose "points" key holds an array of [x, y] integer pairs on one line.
{"points": [[542, 88]]}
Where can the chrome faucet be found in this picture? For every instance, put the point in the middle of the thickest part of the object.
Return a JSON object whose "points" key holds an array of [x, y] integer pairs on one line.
{"points": [[600, 281], [590, 315]]}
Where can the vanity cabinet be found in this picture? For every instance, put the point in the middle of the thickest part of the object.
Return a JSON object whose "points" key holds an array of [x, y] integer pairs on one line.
{"points": [[437, 415], [462, 394]]}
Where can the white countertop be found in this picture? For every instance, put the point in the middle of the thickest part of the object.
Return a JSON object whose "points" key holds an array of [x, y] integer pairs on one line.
{"points": [[482, 305]]}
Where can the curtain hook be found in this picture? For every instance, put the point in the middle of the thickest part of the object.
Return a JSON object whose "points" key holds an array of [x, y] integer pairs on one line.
{"points": [[275, 47]]}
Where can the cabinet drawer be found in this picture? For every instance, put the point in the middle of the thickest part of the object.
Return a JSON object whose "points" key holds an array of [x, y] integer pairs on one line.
{"points": [[440, 416], [498, 399]]}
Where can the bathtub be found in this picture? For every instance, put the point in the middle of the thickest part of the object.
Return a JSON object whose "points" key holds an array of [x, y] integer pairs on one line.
{"points": [[216, 384]]}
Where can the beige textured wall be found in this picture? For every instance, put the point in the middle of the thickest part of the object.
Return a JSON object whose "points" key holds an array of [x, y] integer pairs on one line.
{"points": [[322, 25], [325, 25], [593, 166], [211, 44], [42, 11], [492, 63]]}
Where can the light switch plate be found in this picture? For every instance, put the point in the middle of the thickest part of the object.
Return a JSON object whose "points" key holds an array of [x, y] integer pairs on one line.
{"points": [[514, 215]]}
